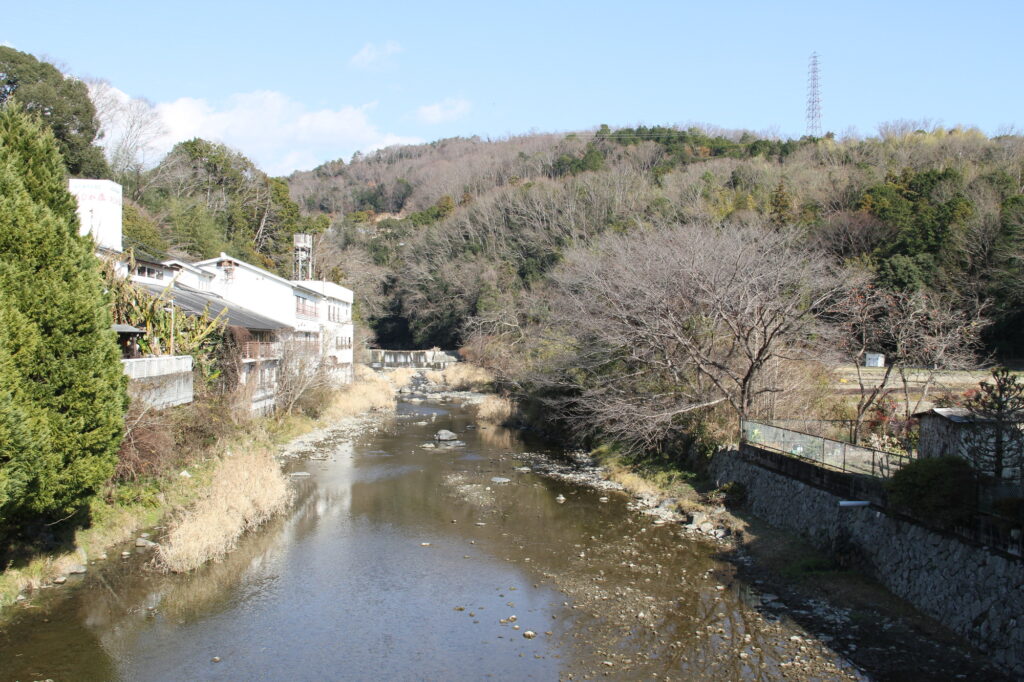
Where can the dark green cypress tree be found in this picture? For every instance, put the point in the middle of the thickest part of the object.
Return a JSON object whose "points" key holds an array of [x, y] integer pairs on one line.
{"points": [[60, 372]]}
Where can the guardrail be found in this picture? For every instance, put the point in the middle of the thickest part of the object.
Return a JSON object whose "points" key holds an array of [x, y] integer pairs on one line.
{"points": [[832, 454]]}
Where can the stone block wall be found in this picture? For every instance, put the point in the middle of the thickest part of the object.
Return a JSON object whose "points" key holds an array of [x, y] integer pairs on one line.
{"points": [[973, 591]]}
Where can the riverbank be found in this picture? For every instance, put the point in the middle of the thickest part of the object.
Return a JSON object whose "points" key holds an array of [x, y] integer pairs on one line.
{"points": [[792, 580], [186, 505]]}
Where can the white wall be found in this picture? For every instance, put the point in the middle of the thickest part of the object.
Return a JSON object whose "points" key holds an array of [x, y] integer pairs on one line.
{"points": [[99, 211], [254, 289]]}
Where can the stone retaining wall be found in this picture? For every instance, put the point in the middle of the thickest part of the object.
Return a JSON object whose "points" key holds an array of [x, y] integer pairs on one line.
{"points": [[971, 590]]}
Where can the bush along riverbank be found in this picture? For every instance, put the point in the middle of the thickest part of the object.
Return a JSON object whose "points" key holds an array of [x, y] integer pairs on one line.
{"points": [[204, 474]]}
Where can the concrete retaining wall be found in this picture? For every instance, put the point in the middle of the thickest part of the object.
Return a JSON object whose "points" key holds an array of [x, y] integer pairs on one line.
{"points": [[973, 591], [160, 381]]}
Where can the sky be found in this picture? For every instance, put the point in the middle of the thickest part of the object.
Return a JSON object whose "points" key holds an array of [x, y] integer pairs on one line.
{"points": [[295, 84]]}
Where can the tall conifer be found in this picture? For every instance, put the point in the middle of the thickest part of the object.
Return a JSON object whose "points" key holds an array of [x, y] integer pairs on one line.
{"points": [[62, 389]]}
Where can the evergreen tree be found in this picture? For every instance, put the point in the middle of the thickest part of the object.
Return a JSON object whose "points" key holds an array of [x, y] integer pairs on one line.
{"points": [[996, 441], [62, 103], [781, 213], [62, 388]]}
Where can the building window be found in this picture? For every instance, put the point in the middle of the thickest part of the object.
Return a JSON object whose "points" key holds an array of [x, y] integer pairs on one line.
{"points": [[305, 309], [147, 271]]}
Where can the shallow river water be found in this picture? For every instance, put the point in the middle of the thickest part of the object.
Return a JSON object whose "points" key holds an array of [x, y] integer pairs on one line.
{"points": [[404, 563]]}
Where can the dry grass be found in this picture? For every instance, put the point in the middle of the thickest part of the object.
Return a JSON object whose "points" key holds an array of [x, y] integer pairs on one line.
{"points": [[400, 377], [247, 490], [112, 523], [495, 409], [209, 426], [369, 391], [462, 376]]}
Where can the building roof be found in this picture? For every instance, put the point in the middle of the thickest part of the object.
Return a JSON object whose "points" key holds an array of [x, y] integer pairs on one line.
{"points": [[328, 289], [255, 268], [182, 265], [195, 302], [954, 414], [126, 329]]}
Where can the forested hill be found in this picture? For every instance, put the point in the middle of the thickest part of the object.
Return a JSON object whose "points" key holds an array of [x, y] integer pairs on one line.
{"points": [[433, 235]]}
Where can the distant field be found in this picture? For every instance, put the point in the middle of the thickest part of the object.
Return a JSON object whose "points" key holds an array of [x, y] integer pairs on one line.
{"points": [[955, 382]]}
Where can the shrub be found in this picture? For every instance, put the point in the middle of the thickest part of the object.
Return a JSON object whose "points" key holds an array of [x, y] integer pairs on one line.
{"points": [[938, 489], [732, 494]]}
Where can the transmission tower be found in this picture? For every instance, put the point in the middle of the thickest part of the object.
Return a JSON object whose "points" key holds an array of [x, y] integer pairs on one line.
{"points": [[813, 97]]}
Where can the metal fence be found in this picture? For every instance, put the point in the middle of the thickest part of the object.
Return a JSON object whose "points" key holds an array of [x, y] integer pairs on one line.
{"points": [[825, 452]]}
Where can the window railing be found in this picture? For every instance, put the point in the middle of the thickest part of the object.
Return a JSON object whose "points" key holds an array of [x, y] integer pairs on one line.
{"points": [[305, 309], [260, 350]]}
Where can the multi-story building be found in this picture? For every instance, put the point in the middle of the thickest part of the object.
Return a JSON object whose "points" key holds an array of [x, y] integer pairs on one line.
{"points": [[269, 314]]}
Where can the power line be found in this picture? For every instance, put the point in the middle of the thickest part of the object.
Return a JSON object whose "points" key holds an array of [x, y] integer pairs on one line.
{"points": [[813, 97]]}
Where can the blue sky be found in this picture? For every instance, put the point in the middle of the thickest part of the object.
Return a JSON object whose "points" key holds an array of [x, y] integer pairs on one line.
{"points": [[295, 84]]}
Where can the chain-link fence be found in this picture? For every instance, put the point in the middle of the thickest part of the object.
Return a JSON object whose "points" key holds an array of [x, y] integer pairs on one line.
{"points": [[825, 452]]}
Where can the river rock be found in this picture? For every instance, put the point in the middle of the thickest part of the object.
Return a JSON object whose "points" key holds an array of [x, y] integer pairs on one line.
{"points": [[428, 446], [500, 479], [77, 569], [445, 435], [560, 499], [143, 542], [529, 634], [60, 580], [299, 474]]}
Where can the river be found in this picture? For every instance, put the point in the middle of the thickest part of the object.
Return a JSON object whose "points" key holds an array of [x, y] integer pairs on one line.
{"points": [[399, 562]]}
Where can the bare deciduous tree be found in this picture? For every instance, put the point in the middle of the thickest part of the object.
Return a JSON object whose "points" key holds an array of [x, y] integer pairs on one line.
{"points": [[672, 321], [131, 128], [919, 332]]}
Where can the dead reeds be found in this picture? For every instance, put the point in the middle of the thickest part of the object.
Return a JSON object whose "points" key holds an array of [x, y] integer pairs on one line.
{"points": [[462, 376], [246, 490], [495, 409]]}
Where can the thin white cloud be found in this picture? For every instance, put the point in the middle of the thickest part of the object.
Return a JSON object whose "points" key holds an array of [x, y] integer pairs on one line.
{"points": [[373, 54], [278, 133], [449, 109]]}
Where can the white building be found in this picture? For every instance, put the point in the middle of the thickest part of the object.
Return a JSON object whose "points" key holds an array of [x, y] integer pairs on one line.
{"points": [[334, 313], [273, 310], [99, 211]]}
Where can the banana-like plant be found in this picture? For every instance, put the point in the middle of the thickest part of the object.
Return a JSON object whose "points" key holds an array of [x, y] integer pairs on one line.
{"points": [[197, 335]]}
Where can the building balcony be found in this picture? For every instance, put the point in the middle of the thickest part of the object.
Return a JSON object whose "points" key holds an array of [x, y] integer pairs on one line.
{"points": [[261, 350]]}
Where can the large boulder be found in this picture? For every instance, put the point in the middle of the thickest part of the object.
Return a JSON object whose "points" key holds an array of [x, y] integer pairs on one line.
{"points": [[445, 435]]}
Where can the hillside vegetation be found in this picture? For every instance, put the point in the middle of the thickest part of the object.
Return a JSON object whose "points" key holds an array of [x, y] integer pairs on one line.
{"points": [[634, 279], [435, 234]]}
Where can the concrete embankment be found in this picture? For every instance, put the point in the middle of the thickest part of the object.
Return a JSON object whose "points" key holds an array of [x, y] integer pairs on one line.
{"points": [[970, 589]]}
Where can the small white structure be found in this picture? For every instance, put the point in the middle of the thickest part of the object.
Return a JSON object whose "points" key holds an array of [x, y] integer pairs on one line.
{"points": [[99, 211], [874, 359], [161, 381]]}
